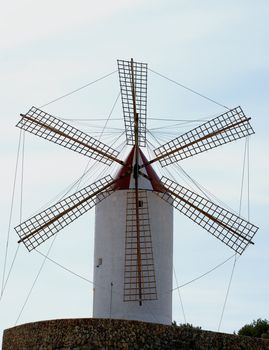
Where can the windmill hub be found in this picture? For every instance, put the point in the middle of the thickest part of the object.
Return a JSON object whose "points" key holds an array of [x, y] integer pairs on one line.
{"points": [[147, 177]]}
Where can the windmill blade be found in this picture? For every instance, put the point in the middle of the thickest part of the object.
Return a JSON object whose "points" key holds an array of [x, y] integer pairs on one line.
{"points": [[42, 226], [139, 271], [232, 230], [133, 86], [225, 128], [53, 129]]}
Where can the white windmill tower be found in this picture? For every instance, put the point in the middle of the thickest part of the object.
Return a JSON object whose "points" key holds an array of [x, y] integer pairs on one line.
{"points": [[134, 211]]}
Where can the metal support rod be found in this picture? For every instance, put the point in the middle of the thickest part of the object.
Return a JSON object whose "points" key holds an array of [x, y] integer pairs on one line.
{"points": [[212, 134], [60, 133], [56, 217], [209, 216], [111, 295], [136, 187]]}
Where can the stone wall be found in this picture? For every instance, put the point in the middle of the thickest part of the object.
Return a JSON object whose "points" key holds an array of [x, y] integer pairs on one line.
{"points": [[88, 334]]}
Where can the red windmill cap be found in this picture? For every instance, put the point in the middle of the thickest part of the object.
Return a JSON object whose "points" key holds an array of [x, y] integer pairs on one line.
{"points": [[150, 182]]}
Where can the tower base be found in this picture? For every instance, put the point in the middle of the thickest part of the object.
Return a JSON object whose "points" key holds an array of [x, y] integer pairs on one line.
{"points": [[91, 333]]}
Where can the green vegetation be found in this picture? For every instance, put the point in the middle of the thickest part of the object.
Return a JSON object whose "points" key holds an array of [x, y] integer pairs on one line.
{"points": [[256, 329], [184, 325]]}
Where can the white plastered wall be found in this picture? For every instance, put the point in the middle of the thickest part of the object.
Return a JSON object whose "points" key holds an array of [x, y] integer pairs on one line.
{"points": [[110, 217]]}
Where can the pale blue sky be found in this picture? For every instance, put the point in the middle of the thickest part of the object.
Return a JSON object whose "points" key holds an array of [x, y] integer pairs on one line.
{"points": [[48, 48]]}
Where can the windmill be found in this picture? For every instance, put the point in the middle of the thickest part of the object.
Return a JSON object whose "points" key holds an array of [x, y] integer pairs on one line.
{"points": [[134, 210]]}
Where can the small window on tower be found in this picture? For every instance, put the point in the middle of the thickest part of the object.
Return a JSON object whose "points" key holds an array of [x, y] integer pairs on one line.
{"points": [[99, 263], [140, 204]]}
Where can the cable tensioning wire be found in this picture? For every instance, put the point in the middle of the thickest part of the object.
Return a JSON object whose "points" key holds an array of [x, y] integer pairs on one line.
{"points": [[201, 188], [63, 193], [103, 129], [22, 172], [21, 197], [98, 166], [35, 280], [209, 195], [65, 268], [47, 255], [204, 274], [227, 294], [11, 213], [120, 293], [180, 120], [189, 89], [165, 169], [22, 135], [169, 291], [95, 119], [10, 270], [246, 156], [248, 171], [180, 297], [78, 89], [172, 126], [243, 176], [90, 119]]}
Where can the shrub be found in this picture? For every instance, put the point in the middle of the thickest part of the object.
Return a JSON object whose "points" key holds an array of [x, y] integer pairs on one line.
{"points": [[255, 329]]}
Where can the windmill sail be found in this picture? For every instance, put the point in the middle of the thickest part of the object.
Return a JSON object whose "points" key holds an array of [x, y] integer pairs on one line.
{"points": [[42, 226], [53, 129], [139, 272], [231, 229], [225, 128], [133, 86]]}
